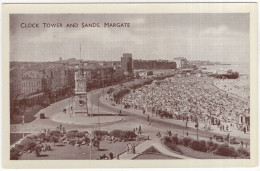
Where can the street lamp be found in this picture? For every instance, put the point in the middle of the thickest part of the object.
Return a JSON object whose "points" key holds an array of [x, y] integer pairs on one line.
{"points": [[103, 89], [152, 101], [91, 143], [69, 110], [197, 125], [23, 124], [229, 139]]}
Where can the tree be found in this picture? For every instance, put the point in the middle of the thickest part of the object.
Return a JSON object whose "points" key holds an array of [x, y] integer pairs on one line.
{"points": [[54, 139]]}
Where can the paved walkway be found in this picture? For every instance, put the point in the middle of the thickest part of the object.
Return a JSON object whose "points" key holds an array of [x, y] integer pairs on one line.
{"points": [[84, 119], [147, 144], [214, 129]]}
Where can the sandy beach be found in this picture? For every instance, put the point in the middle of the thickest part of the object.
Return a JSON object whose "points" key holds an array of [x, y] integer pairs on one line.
{"points": [[239, 87]]}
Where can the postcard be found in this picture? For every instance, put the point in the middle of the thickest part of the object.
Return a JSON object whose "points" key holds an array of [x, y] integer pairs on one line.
{"points": [[129, 85]]}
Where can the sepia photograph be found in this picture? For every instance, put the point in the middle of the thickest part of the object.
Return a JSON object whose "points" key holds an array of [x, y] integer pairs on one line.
{"points": [[130, 86]]}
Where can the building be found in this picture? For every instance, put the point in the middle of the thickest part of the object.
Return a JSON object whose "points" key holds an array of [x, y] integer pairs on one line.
{"points": [[102, 76], [153, 64], [31, 82], [15, 83], [53, 79], [127, 63], [15, 87], [33, 74], [31, 86], [71, 79], [118, 73], [181, 62]]}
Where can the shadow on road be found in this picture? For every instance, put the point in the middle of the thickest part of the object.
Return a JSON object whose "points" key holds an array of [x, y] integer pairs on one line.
{"points": [[43, 155], [103, 150]]}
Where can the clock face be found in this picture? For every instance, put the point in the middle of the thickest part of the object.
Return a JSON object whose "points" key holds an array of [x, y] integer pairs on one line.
{"points": [[80, 84]]}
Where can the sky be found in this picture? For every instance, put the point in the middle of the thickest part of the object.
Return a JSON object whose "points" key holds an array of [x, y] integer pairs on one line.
{"points": [[222, 37]]}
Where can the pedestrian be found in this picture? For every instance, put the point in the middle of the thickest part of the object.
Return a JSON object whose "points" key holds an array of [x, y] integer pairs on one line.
{"points": [[187, 133], [63, 130], [187, 119], [242, 143], [127, 148], [244, 130], [43, 148], [176, 134], [100, 157], [133, 149], [170, 133], [111, 155], [46, 147], [158, 134]]}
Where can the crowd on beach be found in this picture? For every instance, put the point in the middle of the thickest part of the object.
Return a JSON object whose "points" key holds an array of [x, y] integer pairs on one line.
{"points": [[189, 98]]}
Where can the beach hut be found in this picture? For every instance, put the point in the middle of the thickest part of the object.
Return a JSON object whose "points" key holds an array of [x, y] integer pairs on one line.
{"points": [[243, 120]]}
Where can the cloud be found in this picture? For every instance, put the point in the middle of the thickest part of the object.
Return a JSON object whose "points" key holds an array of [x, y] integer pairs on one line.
{"points": [[100, 35], [222, 31]]}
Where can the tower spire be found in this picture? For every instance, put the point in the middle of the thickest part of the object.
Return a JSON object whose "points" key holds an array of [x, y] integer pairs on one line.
{"points": [[80, 50], [81, 62]]}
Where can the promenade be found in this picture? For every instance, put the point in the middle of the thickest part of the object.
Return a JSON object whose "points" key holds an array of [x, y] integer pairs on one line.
{"points": [[139, 149], [181, 125]]}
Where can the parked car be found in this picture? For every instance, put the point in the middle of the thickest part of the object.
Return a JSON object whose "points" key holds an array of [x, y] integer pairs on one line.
{"points": [[42, 116]]}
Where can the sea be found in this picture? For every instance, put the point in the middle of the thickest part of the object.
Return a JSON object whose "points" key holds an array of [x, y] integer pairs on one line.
{"points": [[243, 69]]}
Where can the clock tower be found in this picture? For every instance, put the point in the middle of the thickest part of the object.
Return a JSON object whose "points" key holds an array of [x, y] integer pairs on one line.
{"points": [[80, 83], [80, 103]]}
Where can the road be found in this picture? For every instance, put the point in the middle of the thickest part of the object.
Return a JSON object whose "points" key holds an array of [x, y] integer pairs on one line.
{"points": [[142, 119], [131, 120]]}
